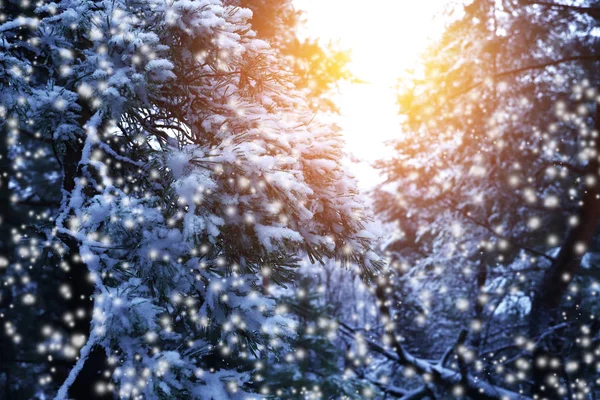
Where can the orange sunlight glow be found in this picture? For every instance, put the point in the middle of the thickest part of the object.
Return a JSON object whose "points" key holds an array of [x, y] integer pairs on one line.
{"points": [[385, 38]]}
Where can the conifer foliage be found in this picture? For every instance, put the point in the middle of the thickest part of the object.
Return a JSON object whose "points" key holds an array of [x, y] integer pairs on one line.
{"points": [[162, 174]]}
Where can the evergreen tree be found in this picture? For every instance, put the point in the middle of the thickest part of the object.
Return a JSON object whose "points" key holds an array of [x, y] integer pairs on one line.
{"points": [[184, 177]]}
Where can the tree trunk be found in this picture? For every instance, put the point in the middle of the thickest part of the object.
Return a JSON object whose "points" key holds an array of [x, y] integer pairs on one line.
{"points": [[7, 218]]}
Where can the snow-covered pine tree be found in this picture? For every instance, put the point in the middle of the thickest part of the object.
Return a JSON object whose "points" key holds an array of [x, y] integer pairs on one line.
{"points": [[193, 176]]}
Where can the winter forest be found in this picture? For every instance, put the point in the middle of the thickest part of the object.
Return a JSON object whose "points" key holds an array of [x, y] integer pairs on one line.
{"points": [[299, 199]]}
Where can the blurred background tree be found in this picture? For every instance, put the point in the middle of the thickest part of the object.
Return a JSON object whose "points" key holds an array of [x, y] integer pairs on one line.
{"points": [[494, 193]]}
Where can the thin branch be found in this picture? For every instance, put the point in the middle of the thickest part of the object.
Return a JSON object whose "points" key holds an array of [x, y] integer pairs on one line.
{"points": [[450, 350], [83, 356], [525, 69], [546, 64], [508, 239], [544, 335], [117, 156], [567, 165], [476, 387]]}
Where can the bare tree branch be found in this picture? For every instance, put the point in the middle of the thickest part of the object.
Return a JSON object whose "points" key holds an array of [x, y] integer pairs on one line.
{"points": [[496, 234], [543, 65]]}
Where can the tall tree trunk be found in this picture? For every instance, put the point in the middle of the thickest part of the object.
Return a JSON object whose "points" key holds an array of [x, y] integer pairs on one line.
{"points": [[475, 334], [7, 219]]}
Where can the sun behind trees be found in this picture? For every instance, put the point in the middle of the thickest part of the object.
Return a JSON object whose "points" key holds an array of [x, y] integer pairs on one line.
{"points": [[177, 221]]}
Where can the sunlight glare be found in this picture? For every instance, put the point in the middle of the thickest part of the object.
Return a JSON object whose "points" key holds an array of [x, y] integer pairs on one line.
{"points": [[385, 38]]}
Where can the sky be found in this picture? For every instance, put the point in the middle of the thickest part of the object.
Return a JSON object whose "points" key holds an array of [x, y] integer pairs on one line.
{"points": [[385, 38]]}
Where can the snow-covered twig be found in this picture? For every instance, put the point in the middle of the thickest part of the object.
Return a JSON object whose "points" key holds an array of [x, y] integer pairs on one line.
{"points": [[476, 388], [83, 356], [117, 156]]}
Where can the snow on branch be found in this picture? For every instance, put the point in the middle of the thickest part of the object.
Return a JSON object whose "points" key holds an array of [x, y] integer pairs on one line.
{"points": [[446, 377]]}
